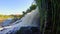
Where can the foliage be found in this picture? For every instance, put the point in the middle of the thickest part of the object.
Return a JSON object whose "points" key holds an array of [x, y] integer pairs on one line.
{"points": [[24, 13], [4, 17], [32, 7], [53, 18]]}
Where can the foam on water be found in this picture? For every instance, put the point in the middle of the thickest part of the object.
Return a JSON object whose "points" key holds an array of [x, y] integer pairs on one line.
{"points": [[30, 19]]}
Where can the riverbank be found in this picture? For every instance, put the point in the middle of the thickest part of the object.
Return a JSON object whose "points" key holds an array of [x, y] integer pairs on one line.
{"points": [[2, 19]]}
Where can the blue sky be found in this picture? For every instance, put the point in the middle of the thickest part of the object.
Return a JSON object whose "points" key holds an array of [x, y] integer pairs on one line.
{"points": [[14, 6]]}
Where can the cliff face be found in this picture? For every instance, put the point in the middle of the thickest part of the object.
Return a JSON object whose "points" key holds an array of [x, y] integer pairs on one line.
{"points": [[49, 16]]}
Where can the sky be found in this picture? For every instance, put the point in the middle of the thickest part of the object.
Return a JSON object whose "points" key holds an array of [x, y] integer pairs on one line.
{"points": [[8, 7]]}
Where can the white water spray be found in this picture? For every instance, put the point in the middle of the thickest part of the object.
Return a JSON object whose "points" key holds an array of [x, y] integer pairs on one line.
{"points": [[30, 19]]}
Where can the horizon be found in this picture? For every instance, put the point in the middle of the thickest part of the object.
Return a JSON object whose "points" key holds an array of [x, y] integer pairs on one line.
{"points": [[8, 7]]}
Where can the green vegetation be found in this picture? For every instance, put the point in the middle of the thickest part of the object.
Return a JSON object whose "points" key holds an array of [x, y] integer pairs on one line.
{"points": [[4, 17], [10, 16], [32, 7], [49, 16]]}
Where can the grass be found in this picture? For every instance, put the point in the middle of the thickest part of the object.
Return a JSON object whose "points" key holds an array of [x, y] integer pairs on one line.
{"points": [[4, 17]]}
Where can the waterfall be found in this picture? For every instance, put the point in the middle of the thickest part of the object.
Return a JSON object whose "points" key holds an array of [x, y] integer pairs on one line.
{"points": [[30, 19]]}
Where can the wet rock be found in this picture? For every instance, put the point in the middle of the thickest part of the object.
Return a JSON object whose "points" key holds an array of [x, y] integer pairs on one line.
{"points": [[29, 30]]}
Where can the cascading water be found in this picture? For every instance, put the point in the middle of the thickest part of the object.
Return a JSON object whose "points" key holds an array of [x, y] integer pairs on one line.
{"points": [[30, 19]]}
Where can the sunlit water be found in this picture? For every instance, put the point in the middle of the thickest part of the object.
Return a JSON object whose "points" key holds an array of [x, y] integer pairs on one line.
{"points": [[6, 22], [30, 19]]}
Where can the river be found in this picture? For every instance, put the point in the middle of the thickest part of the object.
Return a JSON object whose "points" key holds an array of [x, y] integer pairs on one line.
{"points": [[29, 20]]}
